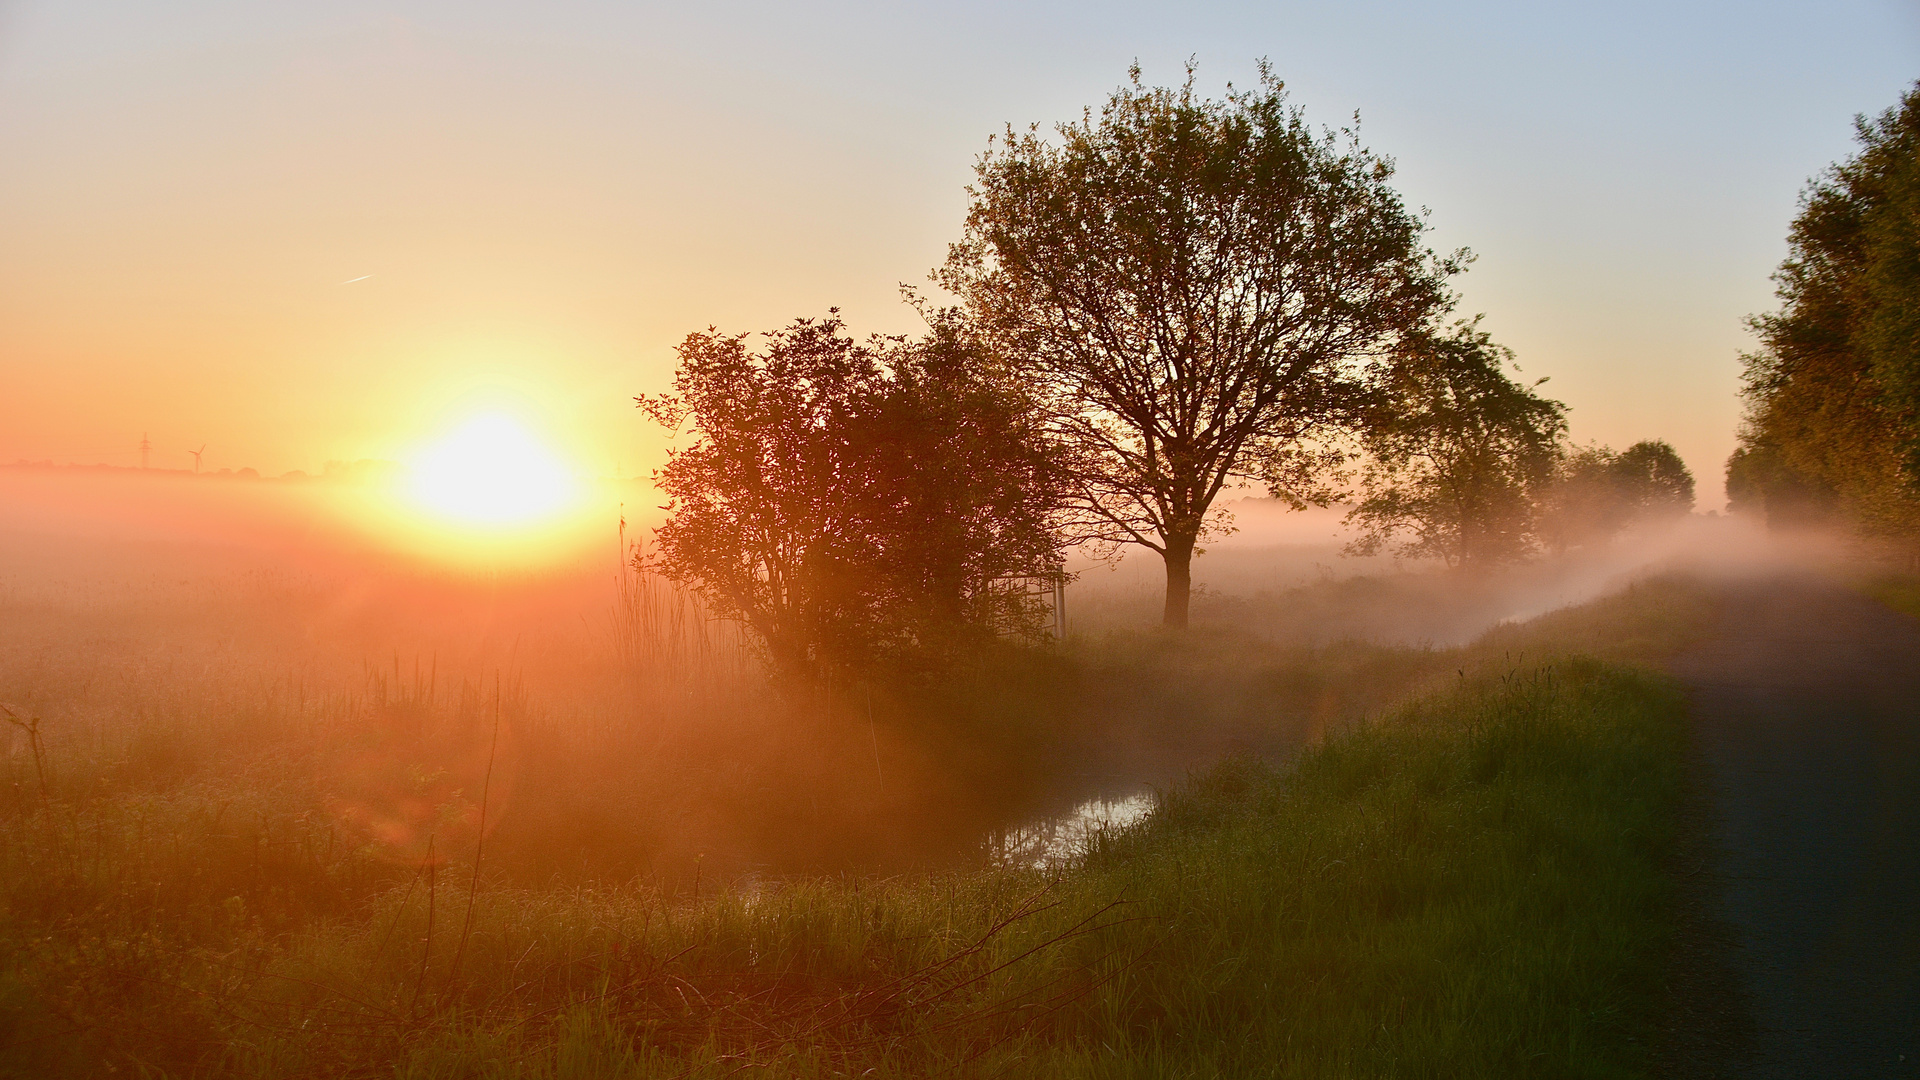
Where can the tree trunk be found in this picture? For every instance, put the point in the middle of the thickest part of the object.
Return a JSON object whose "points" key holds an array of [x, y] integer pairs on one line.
{"points": [[1179, 557]]}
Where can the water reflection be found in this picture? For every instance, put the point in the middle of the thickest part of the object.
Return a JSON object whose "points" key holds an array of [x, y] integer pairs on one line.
{"points": [[1064, 838]]}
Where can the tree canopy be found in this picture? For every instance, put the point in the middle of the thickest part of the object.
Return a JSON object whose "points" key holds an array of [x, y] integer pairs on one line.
{"points": [[854, 502], [1191, 286], [1457, 453], [1595, 492], [1833, 393]]}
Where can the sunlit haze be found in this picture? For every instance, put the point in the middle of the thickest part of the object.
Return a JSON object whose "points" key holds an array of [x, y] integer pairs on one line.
{"points": [[602, 538], [490, 472], [290, 232]]}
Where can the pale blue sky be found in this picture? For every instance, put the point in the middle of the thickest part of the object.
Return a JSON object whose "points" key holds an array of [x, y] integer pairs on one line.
{"points": [[550, 195]]}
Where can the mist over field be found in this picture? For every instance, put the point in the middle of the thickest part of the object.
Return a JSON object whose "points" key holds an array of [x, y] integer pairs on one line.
{"points": [[167, 627], [606, 542]]}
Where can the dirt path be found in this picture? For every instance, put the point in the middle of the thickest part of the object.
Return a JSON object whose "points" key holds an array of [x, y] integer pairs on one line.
{"points": [[1807, 727]]}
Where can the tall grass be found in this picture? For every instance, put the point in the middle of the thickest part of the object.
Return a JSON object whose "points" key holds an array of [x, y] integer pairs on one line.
{"points": [[664, 635], [1468, 885]]}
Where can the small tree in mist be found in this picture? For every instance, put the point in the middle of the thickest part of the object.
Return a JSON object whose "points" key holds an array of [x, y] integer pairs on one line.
{"points": [[1190, 286], [1456, 451], [1596, 492], [1656, 482], [854, 502]]}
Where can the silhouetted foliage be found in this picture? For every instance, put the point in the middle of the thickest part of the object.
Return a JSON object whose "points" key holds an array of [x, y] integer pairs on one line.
{"points": [[1596, 492], [1457, 451], [854, 502], [1657, 482], [1191, 286], [1833, 421]]}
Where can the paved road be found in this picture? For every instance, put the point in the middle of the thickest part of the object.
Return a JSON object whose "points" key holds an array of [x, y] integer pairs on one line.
{"points": [[1807, 725]]}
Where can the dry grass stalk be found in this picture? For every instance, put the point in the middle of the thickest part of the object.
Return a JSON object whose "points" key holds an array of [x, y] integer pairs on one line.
{"points": [[666, 637]]}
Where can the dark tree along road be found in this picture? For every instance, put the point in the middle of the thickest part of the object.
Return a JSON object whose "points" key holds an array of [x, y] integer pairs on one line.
{"points": [[1807, 720]]}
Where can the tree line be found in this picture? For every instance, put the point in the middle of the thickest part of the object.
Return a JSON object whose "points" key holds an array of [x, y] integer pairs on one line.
{"points": [[1155, 304], [1832, 430]]}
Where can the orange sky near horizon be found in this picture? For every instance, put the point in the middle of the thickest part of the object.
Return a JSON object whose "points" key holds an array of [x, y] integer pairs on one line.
{"points": [[300, 273], [297, 238]]}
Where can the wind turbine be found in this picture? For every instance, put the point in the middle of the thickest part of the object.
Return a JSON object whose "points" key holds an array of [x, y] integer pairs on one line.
{"points": [[196, 458]]}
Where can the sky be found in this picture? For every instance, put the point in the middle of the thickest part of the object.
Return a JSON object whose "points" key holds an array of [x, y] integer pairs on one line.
{"points": [[295, 233]]}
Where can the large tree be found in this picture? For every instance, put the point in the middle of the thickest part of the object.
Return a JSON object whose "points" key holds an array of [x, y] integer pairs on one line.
{"points": [[854, 502], [1190, 284], [1457, 451], [1833, 420]]}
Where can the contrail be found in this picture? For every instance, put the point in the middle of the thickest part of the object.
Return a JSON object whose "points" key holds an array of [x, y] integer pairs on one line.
{"points": [[351, 280]]}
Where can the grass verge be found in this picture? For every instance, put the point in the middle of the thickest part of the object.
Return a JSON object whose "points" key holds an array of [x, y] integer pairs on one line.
{"points": [[1470, 884], [1468, 887]]}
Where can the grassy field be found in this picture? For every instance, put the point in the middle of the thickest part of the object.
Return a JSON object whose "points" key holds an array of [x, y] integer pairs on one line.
{"points": [[1468, 883], [1901, 592]]}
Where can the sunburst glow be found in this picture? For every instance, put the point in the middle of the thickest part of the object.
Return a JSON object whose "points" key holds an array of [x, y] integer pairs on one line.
{"points": [[490, 471]]}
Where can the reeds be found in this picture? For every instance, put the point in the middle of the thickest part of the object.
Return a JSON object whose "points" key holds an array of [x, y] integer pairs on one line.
{"points": [[666, 637]]}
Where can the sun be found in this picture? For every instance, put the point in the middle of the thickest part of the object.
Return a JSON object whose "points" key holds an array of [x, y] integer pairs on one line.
{"points": [[490, 471]]}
